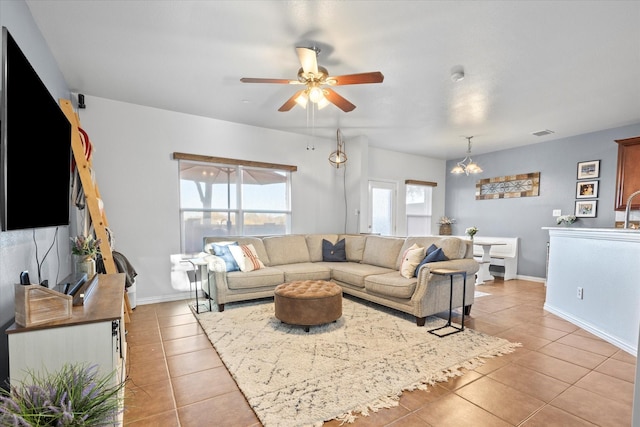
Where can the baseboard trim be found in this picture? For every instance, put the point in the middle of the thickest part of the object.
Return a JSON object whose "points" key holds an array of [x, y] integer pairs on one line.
{"points": [[531, 278], [165, 298], [593, 329]]}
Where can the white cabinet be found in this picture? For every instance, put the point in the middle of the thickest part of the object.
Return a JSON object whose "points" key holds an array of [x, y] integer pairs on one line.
{"points": [[94, 335]]}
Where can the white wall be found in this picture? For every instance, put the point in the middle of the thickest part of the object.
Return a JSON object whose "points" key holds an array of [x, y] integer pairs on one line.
{"points": [[604, 263], [388, 165], [138, 179]]}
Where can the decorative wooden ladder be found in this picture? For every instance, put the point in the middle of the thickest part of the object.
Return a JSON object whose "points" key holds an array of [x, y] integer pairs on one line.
{"points": [[92, 195]]}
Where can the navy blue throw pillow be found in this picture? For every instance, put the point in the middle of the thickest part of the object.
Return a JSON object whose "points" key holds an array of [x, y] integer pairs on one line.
{"points": [[334, 253], [433, 256], [223, 252]]}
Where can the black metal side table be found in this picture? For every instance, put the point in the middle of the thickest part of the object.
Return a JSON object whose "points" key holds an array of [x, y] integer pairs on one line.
{"points": [[200, 267], [451, 273]]}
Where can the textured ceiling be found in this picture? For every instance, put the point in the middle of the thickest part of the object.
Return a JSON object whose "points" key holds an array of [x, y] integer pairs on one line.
{"points": [[569, 66]]}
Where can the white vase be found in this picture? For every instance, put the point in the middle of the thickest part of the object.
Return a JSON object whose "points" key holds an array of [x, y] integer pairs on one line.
{"points": [[86, 264]]}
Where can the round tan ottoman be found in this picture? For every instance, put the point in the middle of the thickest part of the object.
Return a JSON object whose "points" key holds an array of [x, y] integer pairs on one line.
{"points": [[308, 302]]}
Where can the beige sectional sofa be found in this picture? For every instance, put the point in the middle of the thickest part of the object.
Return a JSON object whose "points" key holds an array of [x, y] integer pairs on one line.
{"points": [[372, 270]]}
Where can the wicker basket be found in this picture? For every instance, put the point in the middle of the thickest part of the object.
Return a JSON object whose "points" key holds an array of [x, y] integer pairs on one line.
{"points": [[445, 229]]}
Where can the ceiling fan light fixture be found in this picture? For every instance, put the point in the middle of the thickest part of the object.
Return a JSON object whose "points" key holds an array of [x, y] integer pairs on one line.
{"points": [[322, 103], [315, 94], [302, 99]]}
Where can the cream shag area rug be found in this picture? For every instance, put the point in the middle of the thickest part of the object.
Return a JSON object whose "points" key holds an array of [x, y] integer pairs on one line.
{"points": [[341, 370]]}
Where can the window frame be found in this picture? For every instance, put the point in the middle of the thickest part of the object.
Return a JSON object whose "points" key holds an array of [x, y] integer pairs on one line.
{"points": [[236, 211]]}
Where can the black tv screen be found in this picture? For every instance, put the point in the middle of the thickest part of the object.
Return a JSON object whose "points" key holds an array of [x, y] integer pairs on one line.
{"points": [[35, 142]]}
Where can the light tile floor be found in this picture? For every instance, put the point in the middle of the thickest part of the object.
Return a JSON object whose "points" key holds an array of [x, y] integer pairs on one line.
{"points": [[562, 376]]}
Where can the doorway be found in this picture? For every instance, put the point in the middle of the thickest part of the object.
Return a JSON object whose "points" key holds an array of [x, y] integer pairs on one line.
{"points": [[382, 208]]}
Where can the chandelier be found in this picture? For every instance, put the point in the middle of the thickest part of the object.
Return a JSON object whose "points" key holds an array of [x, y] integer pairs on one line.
{"points": [[467, 165], [338, 157]]}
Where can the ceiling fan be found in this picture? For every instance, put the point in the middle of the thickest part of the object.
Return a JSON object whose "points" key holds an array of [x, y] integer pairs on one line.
{"points": [[316, 78]]}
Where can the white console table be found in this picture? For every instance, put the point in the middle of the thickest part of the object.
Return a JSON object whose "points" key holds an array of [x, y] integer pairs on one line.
{"points": [[94, 335]]}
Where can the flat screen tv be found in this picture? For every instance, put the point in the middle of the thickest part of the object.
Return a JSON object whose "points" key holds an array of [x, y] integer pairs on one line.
{"points": [[35, 147]]}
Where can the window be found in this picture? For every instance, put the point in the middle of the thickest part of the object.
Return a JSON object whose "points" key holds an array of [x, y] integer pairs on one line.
{"points": [[222, 199], [418, 199]]}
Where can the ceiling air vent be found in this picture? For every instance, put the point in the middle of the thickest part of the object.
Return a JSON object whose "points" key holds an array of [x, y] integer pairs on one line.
{"points": [[542, 132]]}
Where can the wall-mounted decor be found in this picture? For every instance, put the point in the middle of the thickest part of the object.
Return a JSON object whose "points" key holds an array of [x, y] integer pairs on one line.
{"points": [[589, 170], [587, 189], [510, 186], [586, 208]]}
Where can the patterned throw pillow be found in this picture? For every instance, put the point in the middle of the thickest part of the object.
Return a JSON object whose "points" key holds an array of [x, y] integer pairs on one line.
{"points": [[246, 257], [410, 260], [223, 252], [334, 253]]}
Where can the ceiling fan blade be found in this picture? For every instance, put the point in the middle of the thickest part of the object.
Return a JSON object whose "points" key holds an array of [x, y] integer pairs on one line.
{"points": [[279, 81], [291, 102], [338, 100], [308, 59], [354, 79]]}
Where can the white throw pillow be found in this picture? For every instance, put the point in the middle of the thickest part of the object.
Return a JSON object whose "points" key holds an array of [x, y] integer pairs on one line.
{"points": [[246, 257], [410, 260]]}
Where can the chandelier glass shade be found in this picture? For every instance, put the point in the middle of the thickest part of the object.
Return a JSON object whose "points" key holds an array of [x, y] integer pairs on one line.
{"points": [[467, 165]]}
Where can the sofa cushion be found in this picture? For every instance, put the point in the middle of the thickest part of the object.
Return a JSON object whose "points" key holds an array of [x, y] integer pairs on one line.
{"points": [[354, 246], [435, 255], [334, 252], [424, 241], [246, 257], [453, 247], [391, 285], [289, 249], [382, 251], [314, 243], [411, 259], [223, 252], [305, 271], [241, 240], [267, 276], [353, 273]]}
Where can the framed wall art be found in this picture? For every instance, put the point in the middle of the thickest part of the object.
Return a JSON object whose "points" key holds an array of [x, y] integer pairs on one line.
{"points": [[510, 186], [589, 170], [586, 208], [586, 189]]}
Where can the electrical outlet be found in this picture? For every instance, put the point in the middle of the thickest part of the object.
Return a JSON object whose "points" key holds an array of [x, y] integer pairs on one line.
{"points": [[579, 293], [557, 212]]}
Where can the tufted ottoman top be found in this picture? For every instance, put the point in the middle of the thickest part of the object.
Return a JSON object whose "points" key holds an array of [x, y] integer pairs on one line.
{"points": [[308, 289]]}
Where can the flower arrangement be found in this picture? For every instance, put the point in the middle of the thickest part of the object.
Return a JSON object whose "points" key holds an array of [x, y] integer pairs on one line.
{"points": [[566, 219], [85, 246], [73, 396], [471, 231], [446, 220]]}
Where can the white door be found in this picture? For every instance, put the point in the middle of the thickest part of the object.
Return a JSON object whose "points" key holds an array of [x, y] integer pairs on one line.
{"points": [[382, 208]]}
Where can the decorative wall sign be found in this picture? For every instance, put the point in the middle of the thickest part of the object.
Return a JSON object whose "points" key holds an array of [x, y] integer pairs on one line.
{"points": [[590, 169], [587, 189], [510, 186], [586, 208]]}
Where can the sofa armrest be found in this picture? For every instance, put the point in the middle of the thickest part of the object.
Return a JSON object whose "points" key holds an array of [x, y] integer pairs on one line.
{"points": [[216, 281], [424, 294]]}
